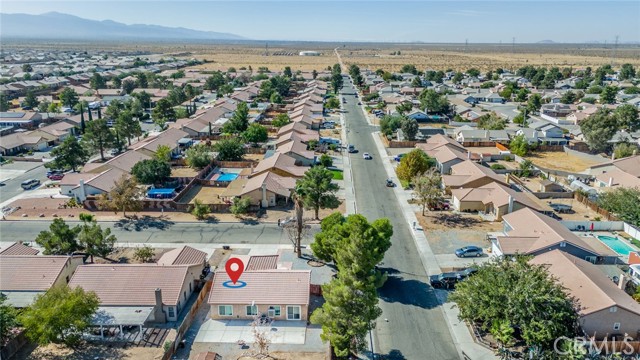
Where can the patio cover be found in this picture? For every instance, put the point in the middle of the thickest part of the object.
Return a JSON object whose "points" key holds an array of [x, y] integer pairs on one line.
{"points": [[121, 315]]}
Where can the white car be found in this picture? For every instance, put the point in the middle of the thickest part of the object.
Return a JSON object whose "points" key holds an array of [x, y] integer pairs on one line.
{"points": [[366, 156]]}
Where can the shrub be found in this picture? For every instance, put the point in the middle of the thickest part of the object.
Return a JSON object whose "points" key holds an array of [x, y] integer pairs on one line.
{"points": [[326, 160], [200, 210], [498, 167], [240, 206]]}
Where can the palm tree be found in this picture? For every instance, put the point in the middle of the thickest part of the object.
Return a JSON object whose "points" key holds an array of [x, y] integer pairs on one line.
{"points": [[298, 201]]}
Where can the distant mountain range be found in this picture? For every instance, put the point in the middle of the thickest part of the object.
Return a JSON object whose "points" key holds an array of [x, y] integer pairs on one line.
{"points": [[54, 25]]}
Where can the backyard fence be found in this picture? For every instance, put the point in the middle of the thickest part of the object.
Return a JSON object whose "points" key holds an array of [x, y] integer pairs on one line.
{"points": [[593, 206], [13, 345]]}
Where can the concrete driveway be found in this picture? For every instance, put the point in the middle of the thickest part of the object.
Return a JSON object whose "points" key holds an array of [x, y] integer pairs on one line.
{"points": [[231, 331]]}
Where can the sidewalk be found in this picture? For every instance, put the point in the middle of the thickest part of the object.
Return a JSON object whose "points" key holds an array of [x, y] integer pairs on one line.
{"points": [[459, 331], [347, 173]]}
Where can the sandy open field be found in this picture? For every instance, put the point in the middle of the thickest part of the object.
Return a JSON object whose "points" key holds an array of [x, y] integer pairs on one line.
{"points": [[277, 55], [560, 160]]}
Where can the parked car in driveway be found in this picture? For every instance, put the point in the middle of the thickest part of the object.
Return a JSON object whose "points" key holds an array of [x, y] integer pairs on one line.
{"points": [[366, 156], [448, 280], [440, 206], [56, 177], [469, 251]]}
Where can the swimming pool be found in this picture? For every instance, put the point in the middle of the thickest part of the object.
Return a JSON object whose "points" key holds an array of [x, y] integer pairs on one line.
{"points": [[616, 244], [226, 177]]}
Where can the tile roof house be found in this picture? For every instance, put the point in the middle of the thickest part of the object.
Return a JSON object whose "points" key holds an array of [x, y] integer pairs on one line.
{"points": [[18, 142], [446, 156], [277, 294], [531, 233], [23, 277], [494, 200], [605, 309], [630, 165], [168, 138], [266, 189], [297, 150], [82, 185], [468, 174], [616, 178], [165, 289], [280, 164], [18, 248]]}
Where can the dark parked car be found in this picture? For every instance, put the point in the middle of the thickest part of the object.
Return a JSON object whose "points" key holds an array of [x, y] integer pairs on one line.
{"points": [[444, 281], [390, 183], [448, 280], [469, 251]]}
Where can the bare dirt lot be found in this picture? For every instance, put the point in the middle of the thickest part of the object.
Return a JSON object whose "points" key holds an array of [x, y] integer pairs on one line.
{"points": [[89, 351], [126, 255], [559, 160]]}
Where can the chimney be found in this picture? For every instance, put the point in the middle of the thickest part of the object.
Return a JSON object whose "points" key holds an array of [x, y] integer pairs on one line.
{"points": [[510, 209], [611, 181], [82, 196], [622, 282], [158, 312], [468, 155], [265, 203]]}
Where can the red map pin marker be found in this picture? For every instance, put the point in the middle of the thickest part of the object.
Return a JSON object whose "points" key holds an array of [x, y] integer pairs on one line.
{"points": [[234, 272]]}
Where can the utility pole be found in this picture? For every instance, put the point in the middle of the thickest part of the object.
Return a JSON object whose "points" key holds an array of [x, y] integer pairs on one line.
{"points": [[466, 45], [614, 53], [513, 45]]}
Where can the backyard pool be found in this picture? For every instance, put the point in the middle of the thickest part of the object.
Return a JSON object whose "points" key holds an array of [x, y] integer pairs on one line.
{"points": [[616, 244], [226, 177]]}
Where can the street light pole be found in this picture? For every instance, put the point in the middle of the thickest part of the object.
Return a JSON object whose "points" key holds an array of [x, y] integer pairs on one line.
{"points": [[373, 354]]}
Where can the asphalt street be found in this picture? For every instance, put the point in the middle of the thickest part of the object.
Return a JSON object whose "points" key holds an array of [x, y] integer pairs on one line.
{"points": [[412, 325], [156, 231], [12, 187]]}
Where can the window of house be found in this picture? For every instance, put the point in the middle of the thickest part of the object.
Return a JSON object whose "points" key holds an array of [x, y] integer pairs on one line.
{"points": [[293, 312], [613, 309], [274, 310], [252, 310], [185, 295], [563, 244], [225, 310], [172, 312], [616, 326]]}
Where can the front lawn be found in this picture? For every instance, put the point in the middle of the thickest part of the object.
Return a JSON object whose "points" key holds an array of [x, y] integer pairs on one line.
{"points": [[337, 175]]}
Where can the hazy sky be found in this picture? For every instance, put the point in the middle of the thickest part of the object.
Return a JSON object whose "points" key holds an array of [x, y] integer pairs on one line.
{"points": [[427, 21]]}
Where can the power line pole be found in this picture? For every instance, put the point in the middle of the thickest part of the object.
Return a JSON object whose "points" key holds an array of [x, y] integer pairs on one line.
{"points": [[513, 45], [614, 52], [466, 45]]}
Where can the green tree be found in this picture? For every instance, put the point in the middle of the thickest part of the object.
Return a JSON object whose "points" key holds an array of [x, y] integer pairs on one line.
{"points": [[60, 239], [69, 154], [336, 82], [214, 81], [255, 133], [314, 74], [128, 86], [95, 240], [608, 95], [332, 103], [198, 156], [27, 68], [428, 189], [141, 80], [457, 77], [31, 100], [60, 315], [404, 107], [389, 124], [326, 160], [520, 293], [151, 171], [534, 103], [54, 108], [8, 319], [68, 97], [239, 122], [434, 102], [623, 202], [416, 82], [317, 191], [627, 117], [525, 168], [519, 145], [4, 103], [126, 127], [522, 95], [163, 112], [230, 149], [491, 122], [116, 83], [473, 72], [275, 98], [281, 120], [624, 149], [415, 163], [287, 72], [200, 210], [240, 206], [42, 107], [98, 136], [144, 254], [125, 196], [409, 128], [97, 81], [598, 128], [569, 97], [627, 71]]}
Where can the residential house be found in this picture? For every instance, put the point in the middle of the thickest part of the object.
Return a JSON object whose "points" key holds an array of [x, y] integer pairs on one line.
{"points": [[616, 178], [447, 156], [274, 294], [168, 138], [528, 232], [557, 113], [16, 143], [19, 119], [630, 165], [493, 200], [464, 136], [267, 189], [194, 259], [280, 164], [18, 248], [158, 293], [468, 174], [24, 276], [297, 150], [80, 186], [604, 310]]}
